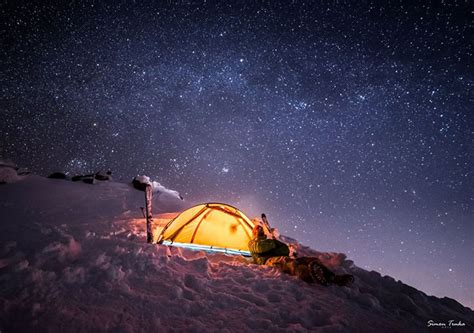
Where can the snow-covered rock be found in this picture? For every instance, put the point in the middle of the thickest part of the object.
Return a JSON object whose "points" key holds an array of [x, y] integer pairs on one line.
{"points": [[139, 182], [8, 172], [73, 257]]}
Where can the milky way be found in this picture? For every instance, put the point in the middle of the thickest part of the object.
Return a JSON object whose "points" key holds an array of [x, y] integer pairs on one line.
{"points": [[348, 123]]}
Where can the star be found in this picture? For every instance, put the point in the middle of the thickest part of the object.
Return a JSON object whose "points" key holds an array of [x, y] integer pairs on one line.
{"points": [[332, 124]]}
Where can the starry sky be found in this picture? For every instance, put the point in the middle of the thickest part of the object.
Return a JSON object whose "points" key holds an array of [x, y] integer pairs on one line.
{"points": [[348, 122]]}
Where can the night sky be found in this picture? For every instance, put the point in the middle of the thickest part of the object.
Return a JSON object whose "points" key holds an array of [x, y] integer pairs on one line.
{"points": [[348, 122]]}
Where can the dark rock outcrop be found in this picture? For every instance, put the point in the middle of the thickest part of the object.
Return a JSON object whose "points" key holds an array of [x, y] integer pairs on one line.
{"points": [[57, 175], [139, 185]]}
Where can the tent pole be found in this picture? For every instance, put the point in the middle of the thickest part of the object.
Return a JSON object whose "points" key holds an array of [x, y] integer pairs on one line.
{"points": [[149, 215]]}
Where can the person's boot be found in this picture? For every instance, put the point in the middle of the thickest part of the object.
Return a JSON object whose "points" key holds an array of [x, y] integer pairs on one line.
{"points": [[317, 273], [343, 280]]}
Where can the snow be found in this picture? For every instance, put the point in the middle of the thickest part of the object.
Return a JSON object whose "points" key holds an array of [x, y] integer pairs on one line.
{"points": [[8, 172], [158, 188], [8, 175], [73, 257]]}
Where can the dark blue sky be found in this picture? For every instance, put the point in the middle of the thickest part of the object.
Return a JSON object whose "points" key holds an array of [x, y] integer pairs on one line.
{"points": [[348, 123]]}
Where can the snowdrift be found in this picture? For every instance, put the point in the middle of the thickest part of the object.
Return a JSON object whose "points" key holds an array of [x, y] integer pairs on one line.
{"points": [[73, 257]]}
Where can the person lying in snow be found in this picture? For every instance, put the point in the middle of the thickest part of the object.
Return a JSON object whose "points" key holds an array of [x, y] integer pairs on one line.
{"points": [[272, 252]]}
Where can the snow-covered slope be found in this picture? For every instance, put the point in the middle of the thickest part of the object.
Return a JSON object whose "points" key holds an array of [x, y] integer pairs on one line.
{"points": [[73, 257]]}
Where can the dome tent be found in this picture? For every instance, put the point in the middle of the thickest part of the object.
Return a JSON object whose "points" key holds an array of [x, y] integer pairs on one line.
{"points": [[209, 226]]}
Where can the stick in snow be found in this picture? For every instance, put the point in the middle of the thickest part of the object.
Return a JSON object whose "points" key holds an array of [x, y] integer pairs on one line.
{"points": [[149, 215], [265, 221]]}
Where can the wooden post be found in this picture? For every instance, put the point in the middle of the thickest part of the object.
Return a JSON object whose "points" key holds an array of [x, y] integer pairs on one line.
{"points": [[149, 215]]}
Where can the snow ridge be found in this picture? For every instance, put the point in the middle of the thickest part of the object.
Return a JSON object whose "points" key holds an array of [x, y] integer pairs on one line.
{"points": [[76, 260]]}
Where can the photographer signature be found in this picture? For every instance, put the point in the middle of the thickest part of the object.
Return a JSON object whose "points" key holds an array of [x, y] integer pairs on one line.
{"points": [[450, 323]]}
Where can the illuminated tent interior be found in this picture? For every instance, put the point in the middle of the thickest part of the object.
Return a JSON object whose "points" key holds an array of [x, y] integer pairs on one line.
{"points": [[210, 226]]}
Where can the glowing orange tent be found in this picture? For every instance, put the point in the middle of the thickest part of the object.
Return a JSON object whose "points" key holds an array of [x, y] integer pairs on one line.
{"points": [[209, 226]]}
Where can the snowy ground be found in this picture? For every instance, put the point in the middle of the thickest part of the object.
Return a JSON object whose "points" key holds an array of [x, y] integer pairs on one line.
{"points": [[73, 257]]}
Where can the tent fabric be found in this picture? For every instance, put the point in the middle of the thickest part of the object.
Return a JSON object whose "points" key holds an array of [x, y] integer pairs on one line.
{"points": [[214, 226]]}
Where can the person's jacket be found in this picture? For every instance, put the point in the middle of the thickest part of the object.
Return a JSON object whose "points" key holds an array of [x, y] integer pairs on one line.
{"points": [[262, 248]]}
